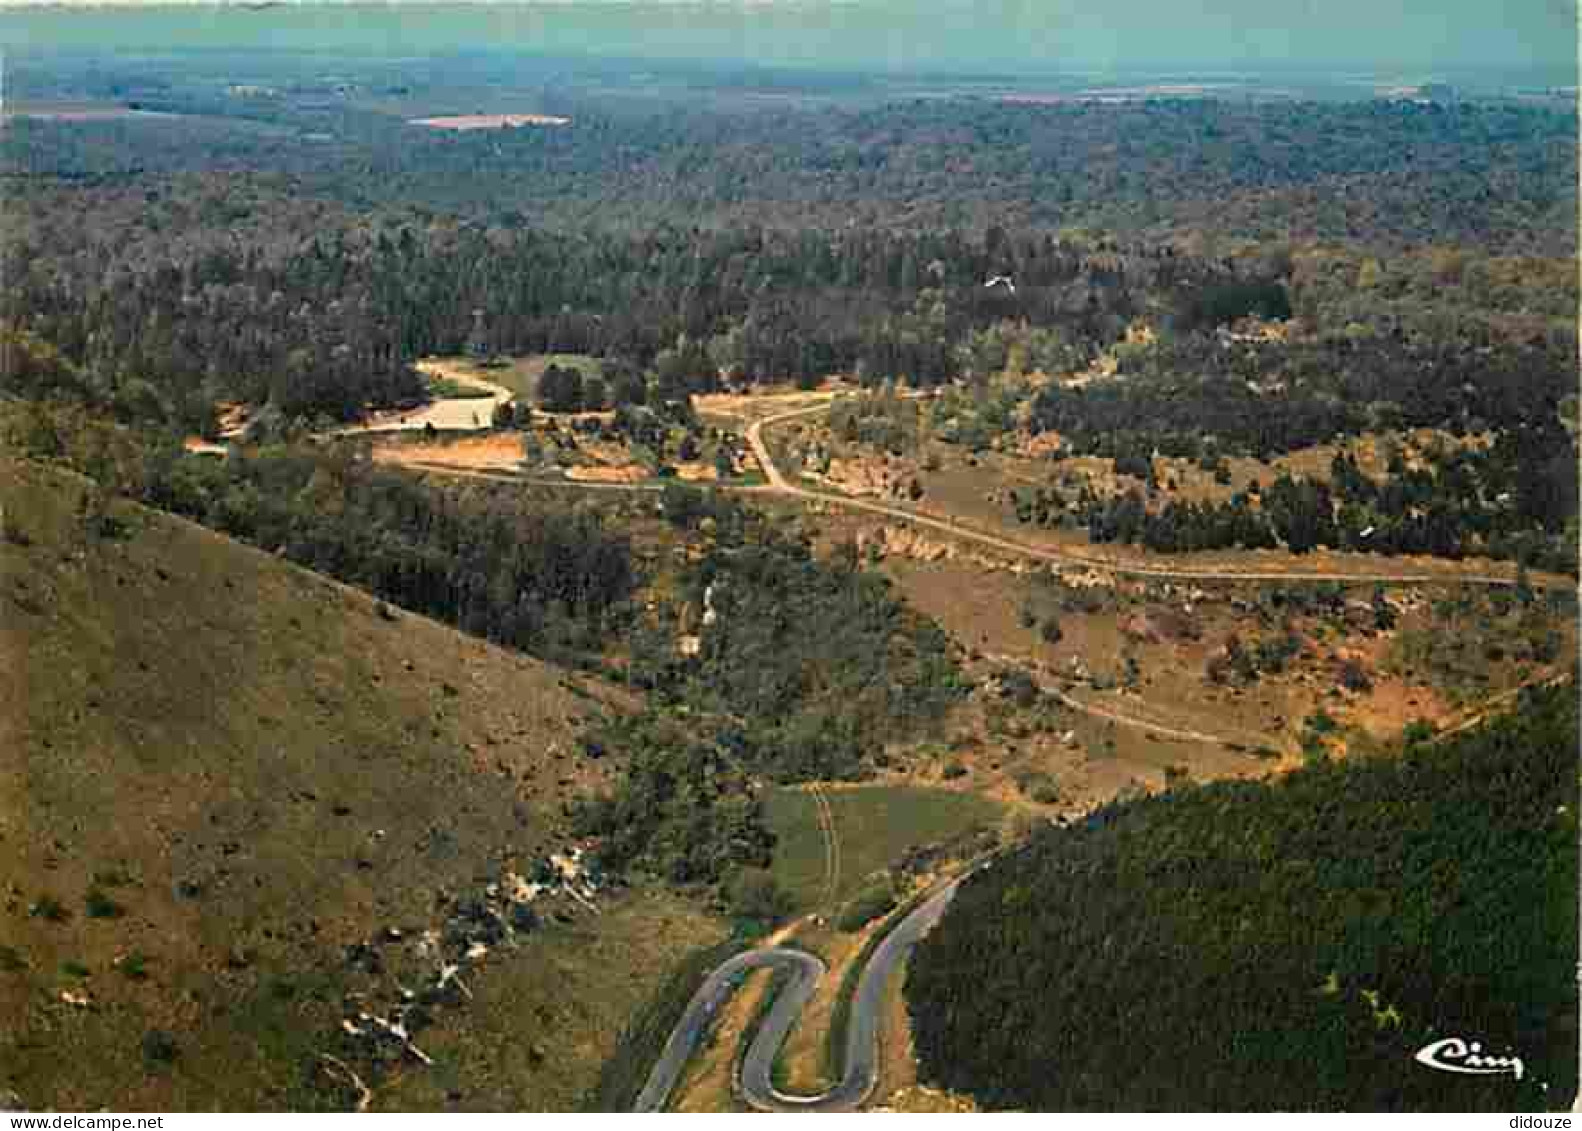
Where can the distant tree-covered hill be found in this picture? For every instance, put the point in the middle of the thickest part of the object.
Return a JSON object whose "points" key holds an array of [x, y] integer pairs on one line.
{"points": [[1287, 945], [1494, 175]]}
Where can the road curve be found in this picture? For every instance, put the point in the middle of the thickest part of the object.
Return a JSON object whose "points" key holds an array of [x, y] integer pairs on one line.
{"points": [[755, 1079]]}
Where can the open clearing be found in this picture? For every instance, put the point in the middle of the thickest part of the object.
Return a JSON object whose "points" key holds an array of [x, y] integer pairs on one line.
{"points": [[488, 121], [456, 414], [875, 826], [521, 374]]}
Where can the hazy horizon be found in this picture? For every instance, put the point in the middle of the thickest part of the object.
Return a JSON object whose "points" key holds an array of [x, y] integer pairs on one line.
{"points": [[1367, 37]]}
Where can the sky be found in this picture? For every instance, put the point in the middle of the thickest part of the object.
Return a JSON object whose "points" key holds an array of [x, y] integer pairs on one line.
{"points": [[1412, 37]]}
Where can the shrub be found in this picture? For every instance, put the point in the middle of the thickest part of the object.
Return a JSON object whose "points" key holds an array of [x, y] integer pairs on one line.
{"points": [[1353, 677], [1418, 730], [13, 532], [866, 906], [101, 906], [160, 1047], [754, 894], [1039, 787], [1019, 687], [49, 908], [1319, 722]]}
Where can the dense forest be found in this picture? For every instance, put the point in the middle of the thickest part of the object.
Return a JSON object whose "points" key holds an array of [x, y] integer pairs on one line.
{"points": [[255, 265], [1322, 928], [315, 311], [1496, 176], [1191, 394]]}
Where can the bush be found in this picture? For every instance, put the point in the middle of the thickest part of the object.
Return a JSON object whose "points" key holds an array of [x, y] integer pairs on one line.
{"points": [[101, 906], [1039, 787], [754, 894], [13, 532], [1353, 677], [866, 906], [49, 908], [1418, 730], [1019, 687], [1320, 722], [160, 1047]]}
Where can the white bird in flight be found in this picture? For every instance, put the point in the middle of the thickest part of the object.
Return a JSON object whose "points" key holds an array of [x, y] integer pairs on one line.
{"points": [[997, 280]]}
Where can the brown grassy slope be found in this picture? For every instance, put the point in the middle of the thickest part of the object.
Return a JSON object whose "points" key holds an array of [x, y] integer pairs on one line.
{"points": [[258, 769]]}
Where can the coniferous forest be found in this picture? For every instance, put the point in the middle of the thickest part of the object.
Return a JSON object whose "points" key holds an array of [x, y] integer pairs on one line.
{"points": [[1280, 945]]}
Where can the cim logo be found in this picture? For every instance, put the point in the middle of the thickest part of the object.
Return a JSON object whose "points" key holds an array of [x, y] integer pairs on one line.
{"points": [[1452, 1054]]}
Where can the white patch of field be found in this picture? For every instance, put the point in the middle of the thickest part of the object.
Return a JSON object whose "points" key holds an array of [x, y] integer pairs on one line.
{"points": [[488, 121]]}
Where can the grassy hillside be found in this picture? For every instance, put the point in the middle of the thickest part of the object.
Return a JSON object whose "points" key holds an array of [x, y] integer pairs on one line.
{"points": [[875, 827], [218, 772], [1285, 945]]}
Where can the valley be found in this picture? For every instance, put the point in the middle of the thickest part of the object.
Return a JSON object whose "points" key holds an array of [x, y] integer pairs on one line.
{"points": [[544, 583]]}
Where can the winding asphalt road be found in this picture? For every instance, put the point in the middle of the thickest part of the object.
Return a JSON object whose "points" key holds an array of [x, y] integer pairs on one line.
{"points": [[755, 1080]]}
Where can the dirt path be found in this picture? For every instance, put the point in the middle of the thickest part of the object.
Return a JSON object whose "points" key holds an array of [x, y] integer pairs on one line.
{"points": [[779, 484], [470, 414], [956, 528], [1483, 710], [1141, 724], [826, 823]]}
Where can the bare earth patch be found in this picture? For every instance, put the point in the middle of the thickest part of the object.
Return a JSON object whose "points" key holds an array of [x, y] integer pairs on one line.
{"points": [[498, 451], [627, 473], [759, 404], [71, 113], [488, 121]]}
